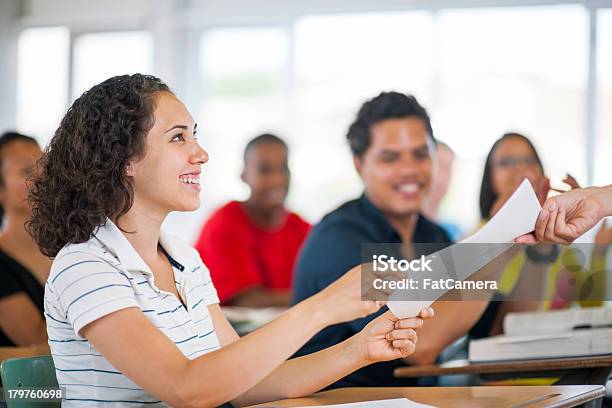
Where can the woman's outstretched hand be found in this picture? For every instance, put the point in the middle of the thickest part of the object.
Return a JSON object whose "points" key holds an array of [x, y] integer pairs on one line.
{"points": [[342, 300], [388, 338]]}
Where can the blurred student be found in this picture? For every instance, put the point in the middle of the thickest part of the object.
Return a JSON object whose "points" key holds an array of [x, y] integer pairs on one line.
{"points": [[132, 315], [250, 247], [23, 268], [511, 159], [391, 141], [535, 275], [442, 175]]}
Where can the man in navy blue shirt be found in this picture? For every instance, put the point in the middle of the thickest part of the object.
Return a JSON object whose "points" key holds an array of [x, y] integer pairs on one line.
{"points": [[392, 142]]}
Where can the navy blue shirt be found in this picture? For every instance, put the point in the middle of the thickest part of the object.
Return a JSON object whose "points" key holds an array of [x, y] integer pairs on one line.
{"points": [[331, 249]]}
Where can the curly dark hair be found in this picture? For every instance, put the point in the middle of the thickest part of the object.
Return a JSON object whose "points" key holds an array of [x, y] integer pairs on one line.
{"points": [[387, 105], [81, 179]]}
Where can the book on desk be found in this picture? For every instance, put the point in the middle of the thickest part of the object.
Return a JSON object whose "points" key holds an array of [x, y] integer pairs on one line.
{"points": [[551, 334]]}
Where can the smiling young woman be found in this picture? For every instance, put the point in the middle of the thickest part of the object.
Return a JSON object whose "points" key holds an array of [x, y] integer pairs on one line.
{"points": [[132, 314]]}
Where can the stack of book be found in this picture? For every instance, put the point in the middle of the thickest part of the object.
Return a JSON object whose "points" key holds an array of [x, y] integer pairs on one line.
{"points": [[551, 334]]}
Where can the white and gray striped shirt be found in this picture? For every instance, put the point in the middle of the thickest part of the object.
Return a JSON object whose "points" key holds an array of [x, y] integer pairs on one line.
{"points": [[106, 274]]}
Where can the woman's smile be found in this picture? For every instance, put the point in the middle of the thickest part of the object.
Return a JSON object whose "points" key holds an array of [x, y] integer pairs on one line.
{"points": [[191, 180]]}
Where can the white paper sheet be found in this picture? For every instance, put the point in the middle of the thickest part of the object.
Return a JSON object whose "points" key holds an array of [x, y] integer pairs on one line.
{"points": [[389, 403], [516, 217]]}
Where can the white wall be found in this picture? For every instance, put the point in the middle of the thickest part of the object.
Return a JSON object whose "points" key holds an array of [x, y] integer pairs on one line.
{"points": [[177, 25], [9, 12]]}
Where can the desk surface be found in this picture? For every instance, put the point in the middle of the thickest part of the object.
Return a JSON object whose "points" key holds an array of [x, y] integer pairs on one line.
{"points": [[490, 397], [19, 352], [557, 364]]}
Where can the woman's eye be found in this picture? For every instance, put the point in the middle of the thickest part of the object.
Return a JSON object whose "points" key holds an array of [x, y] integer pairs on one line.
{"points": [[178, 137]]}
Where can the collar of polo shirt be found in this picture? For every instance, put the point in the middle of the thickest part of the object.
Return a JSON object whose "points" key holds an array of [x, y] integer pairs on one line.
{"points": [[112, 238]]}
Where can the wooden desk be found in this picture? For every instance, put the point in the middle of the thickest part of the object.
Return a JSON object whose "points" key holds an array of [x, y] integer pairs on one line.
{"points": [[19, 352], [453, 397], [581, 370]]}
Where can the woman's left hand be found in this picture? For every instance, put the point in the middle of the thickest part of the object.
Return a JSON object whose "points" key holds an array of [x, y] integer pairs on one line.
{"points": [[388, 338]]}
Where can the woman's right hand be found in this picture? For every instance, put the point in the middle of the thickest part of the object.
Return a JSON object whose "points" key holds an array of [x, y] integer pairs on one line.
{"points": [[342, 300]]}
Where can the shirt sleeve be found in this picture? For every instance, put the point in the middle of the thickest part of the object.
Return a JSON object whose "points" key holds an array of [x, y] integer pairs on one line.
{"points": [[226, 252], [87, 288]]}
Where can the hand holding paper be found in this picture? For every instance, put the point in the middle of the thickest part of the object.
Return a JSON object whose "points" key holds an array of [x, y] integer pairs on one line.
{"points": [[566, 217], [516, 217]]}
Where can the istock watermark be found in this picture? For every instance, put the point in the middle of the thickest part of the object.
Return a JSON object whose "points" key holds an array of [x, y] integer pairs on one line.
{"points": [[573, 274]]}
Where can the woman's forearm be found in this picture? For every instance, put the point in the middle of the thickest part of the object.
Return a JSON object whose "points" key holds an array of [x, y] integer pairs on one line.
{"points": [[306, 375], [246, 362]]}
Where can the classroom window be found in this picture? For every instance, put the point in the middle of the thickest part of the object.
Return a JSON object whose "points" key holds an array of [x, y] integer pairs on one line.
{"points": [[42, 93], [99, 56], [480, 72], [502, 69], [340, 62], [603, 146], [244, 78]]}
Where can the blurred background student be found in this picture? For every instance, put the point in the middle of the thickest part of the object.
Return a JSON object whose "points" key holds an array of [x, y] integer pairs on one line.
{"points": [[441, 179], [391, 140], [250, 247], [537, 277], [511, 159], [23, 268]]}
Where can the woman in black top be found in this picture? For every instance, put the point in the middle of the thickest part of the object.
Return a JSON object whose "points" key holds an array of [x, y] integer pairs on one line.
{"points": [[23, 268]]}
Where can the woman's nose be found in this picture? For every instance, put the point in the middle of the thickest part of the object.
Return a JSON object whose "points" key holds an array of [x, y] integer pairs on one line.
{"points": [[200, 155]]}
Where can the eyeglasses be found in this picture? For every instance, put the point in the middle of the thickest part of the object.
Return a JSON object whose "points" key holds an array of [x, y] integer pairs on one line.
{"points": [[515, 161]]}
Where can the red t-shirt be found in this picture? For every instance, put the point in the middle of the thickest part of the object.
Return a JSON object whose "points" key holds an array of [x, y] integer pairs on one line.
{"points": [[240, 254]]}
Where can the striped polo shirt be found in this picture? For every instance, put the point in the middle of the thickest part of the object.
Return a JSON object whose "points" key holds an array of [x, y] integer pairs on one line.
{"points": [[106, 274]]}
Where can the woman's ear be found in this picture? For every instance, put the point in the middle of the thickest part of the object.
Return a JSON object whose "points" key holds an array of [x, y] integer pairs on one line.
{"points": [[129, 170]]}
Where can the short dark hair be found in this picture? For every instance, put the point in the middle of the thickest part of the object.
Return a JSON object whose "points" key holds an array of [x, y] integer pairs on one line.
{"points": [[9, 137], [262, 139], [387, 105], [82, 177], [6, 139], [487, 195]]}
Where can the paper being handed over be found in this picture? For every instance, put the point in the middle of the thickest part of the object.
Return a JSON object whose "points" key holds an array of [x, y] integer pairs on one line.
{"points": [[516, 217]]}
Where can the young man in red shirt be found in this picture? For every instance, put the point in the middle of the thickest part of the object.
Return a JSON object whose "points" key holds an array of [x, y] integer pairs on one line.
{"points": [[250, 247]]}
